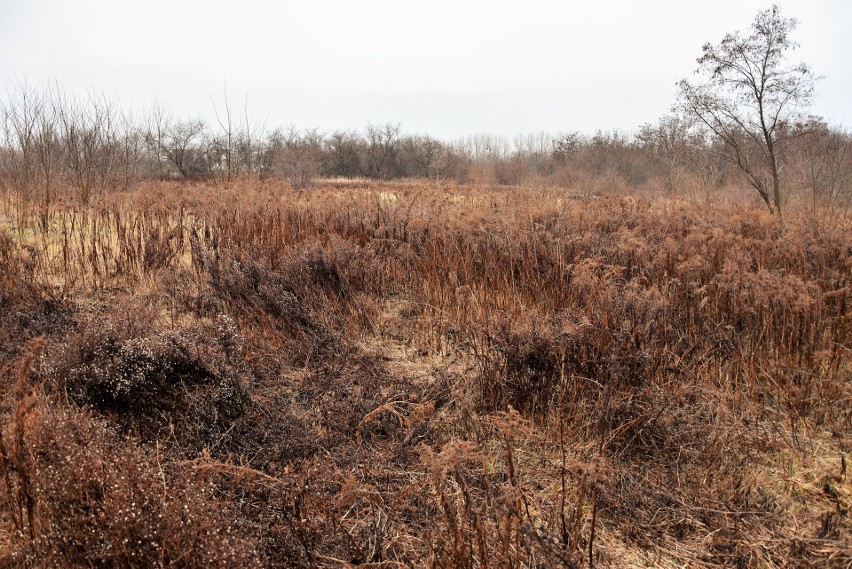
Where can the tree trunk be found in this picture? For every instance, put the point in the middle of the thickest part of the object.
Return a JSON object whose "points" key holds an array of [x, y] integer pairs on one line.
{"points": [[776, 183]]}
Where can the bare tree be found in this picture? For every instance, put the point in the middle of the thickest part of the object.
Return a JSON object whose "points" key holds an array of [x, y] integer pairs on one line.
{"points": [[20, 121], [249, 146], [130, 150], [486, 147], [343, 154], [448, 163], [297, 156], [534, 149], [237, 148], [566, 146], [183, 148], [48, 152], [383, 146], [157, 123], [750, 98], [672, 141], [88, 134], [823, 162], [417, 155], [176, 146], [221, 148]]}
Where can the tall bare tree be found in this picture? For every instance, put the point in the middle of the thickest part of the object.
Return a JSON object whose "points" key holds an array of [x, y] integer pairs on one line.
{"points": [[750, 97]]}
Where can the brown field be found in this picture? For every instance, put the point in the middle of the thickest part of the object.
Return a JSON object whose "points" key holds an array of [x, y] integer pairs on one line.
{"points": [[402, 374]]}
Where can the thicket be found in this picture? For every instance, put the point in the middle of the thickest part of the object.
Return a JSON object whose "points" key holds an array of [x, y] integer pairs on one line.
{"points": [[408, 374]]}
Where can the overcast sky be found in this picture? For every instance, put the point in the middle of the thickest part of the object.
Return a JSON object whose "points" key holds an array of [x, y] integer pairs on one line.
{"points": [[443, 67]]}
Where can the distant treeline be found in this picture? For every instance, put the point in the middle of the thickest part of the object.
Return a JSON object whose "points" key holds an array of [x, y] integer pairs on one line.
{"points": [[53, 143]]}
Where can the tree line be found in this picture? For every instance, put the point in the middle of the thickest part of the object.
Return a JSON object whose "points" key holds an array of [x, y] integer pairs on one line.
{"points": [[54, 144]]}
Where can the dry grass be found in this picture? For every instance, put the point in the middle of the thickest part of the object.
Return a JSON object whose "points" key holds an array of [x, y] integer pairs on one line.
{"points": [[409, 375]]}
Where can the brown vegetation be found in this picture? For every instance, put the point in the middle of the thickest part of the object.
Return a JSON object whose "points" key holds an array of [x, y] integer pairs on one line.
{"points": [[408, 374], [53, 146]]}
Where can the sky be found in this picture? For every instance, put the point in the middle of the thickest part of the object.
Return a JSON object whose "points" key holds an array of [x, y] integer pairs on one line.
{"points": [[447, 68]]}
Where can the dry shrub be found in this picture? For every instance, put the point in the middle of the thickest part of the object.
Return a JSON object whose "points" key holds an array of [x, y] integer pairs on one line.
{"points": [[248, 288], [534, 362], [90, 498], [149, 381]]}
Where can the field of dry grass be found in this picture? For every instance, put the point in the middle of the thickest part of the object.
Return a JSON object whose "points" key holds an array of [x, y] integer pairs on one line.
{"points": [[407, 375]]}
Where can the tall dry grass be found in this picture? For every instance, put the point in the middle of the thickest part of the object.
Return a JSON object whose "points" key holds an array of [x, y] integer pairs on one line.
{"points": [[408, 375]]}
